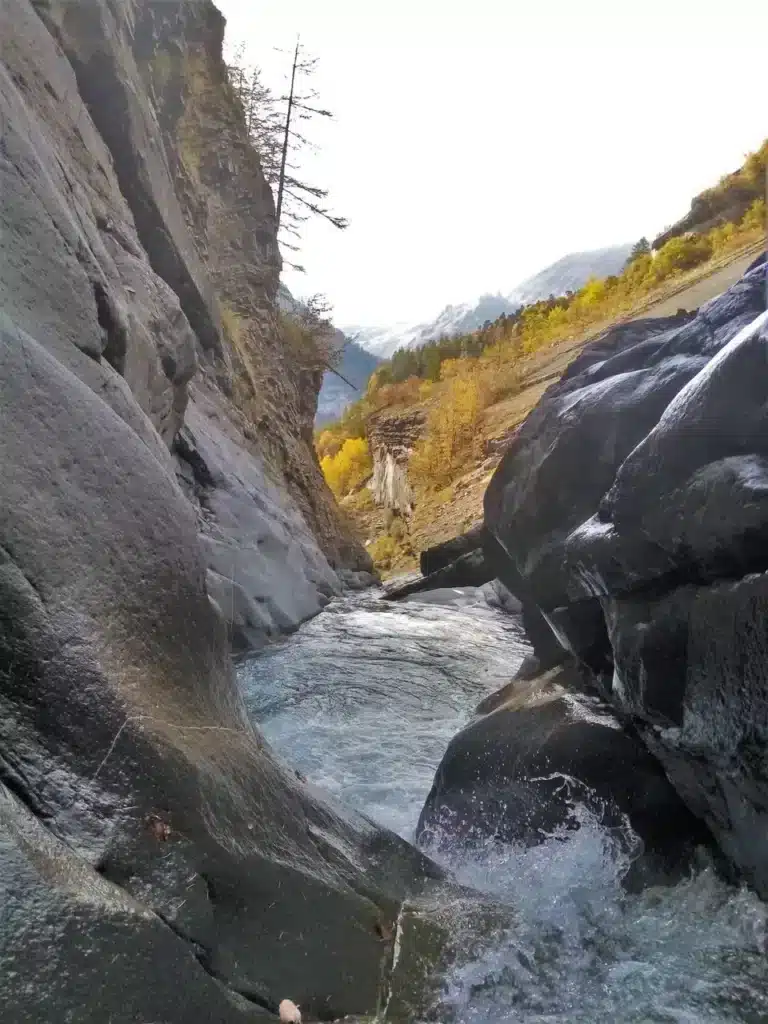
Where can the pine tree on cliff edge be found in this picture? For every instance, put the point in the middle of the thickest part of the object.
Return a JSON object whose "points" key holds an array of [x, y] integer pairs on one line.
{"points": [[275, 127]]}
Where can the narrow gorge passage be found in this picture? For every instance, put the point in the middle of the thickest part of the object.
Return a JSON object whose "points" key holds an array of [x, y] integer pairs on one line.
{"points": [[363, 701]]}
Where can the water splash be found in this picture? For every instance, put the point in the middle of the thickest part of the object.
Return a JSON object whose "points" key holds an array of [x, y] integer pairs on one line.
{"points": [[364, 701], [581, 948]]}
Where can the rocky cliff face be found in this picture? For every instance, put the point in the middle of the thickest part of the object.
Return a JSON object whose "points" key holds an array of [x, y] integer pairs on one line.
{"points": [[391, 440], [186, 198], [158, 491], [629, 514]]}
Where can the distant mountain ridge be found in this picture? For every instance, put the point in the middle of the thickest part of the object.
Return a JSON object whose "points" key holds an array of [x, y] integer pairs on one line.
{"points": [[567, 274], [356, 366], [570, 273]]}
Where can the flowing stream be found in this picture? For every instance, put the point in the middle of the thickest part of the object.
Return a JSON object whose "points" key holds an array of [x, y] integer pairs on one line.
{"points": [[364, 700]]}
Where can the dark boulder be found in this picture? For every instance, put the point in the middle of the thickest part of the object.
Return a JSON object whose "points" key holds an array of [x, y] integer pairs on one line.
{"points": [[539, 749], [565, 457], [471, 570], [692, 669], [679, 554], [632, 513], [691, 501], [441, 555], [545, 502]]}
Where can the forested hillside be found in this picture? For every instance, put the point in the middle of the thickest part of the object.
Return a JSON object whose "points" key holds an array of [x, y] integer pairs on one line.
{"points": [[464, 387]]}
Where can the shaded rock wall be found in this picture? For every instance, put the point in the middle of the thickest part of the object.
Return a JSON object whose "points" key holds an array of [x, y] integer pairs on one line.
{"points": [[156, 861], [629, 515], [124, 739], [151, 78]]}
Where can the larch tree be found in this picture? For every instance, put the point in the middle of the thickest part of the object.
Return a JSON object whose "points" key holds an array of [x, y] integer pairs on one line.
{"points": [[278, 125]]}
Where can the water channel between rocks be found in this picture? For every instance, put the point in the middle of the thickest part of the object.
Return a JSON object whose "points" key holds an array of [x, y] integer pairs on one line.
{"points": [[364, 700]]}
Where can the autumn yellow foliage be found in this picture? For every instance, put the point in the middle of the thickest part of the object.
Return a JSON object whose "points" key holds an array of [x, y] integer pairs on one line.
{"points": [[383, 551], [328, 442], [754, 218], [455, 378], [452, 437], [349, 467]]}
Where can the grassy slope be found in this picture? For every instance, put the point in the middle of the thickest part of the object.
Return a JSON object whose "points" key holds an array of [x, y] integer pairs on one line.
{"points": [[438, 516]]}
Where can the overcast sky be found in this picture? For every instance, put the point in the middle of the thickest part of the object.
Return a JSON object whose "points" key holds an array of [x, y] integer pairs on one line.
{"points": [[477, 141]]}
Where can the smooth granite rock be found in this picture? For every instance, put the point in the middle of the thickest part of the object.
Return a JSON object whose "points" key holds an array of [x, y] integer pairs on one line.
{"points": [[157, 863]]}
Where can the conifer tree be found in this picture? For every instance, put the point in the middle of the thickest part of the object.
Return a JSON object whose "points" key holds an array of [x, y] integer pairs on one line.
{"points": [[277, 127]]}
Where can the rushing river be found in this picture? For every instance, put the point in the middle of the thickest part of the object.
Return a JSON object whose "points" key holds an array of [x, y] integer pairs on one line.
{"points": [[364, 699]]}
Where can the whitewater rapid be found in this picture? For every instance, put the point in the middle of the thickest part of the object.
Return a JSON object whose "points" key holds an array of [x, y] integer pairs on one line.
{"points": [[364, 699]]}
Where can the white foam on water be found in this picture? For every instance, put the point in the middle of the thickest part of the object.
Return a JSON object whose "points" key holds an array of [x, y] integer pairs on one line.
{"points": [[364, 700]]}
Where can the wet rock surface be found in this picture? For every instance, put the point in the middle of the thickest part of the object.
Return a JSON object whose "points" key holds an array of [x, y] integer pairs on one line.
{"points": [[124, 735], [156, 862], [630, 516], [441, 555], [470, 570], [265, 570], [538, 751]]}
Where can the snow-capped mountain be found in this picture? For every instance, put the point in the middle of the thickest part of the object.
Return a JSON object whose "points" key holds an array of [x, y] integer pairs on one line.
{"points": [[567, 274], [460, 319], [570, 273]]}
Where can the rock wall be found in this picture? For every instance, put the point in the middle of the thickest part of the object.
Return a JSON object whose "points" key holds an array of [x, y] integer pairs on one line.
{"points": [[629, 514], [156, 862], [391, 439], [191, 205]]}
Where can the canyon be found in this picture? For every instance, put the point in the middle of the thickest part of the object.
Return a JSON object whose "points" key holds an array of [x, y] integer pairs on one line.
{"points": [[173, 843]]}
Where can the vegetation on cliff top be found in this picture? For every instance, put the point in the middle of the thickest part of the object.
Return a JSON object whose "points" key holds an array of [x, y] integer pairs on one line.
{"points": [[277, 127], [726, 201]]}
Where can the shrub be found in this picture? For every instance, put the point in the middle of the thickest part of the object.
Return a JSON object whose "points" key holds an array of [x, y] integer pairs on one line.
{"points": [[755, 216], [349, 467], [680, 253], [383, 551], [592, 293], [500, 371], [722, 237], [450, 368], [397, 530], [328, 442]]}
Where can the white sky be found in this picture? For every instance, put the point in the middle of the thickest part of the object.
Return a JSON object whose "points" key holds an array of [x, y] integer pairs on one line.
{"points": [[477, 141]]}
